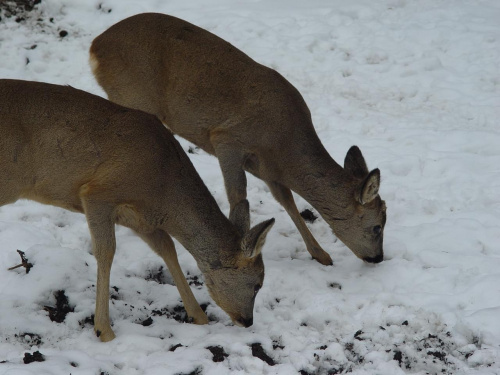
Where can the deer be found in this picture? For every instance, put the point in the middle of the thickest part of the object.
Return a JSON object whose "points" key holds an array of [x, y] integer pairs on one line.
{"points": [[78, 151], [249, 116]]}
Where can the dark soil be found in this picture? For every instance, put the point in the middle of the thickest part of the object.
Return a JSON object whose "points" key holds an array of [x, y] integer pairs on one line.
{"points": [[89, 320], [398, 356], [177, 312], [158, 276], [35, 357], [194, 280], [30, 339], [147, 322], [277, 345], [218, 353], [196, 371], [308, 215], [172, 349], [58, 313], [193, 150], [335, 285], [258, 351], [20, 9]]}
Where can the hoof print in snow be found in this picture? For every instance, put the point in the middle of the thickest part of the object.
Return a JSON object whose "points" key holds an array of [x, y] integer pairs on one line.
{"points": [[308, 215], [35, 357], [219, 355], [258, 351], [58, 313], [63, 33], [172, 349]]}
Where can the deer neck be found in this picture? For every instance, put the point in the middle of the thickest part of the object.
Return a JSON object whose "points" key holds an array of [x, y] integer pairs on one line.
{"points": [[316, 177], [209, 237]]}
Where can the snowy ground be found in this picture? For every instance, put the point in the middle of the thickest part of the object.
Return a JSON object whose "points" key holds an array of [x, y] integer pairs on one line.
{"points": [[415, 84]]}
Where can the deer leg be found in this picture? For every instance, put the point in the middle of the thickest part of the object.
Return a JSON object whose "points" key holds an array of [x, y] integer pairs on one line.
{"points": [[163, 245], [231, 160], [102, 230], [284, 196]]}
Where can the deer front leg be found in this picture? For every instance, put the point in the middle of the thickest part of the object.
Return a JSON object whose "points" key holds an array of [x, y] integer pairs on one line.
{"points": [[284, 196], [231, 160], [163, 245], [102, 230]]}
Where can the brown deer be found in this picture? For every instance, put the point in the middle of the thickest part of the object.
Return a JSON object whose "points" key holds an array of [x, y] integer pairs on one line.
{"points": [[71, 149], [246, 114]]}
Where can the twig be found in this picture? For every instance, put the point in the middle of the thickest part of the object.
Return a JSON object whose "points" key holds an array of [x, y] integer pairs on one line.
{"points": [[24, 263]]}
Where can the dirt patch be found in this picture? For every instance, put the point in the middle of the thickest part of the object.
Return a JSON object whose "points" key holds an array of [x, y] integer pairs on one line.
{"points": [[219, 355], [11, 8], [258, 351], [157, 275], [172, 349], [177, 312], [194, 280], [30, 339], [58, 312], [308, 215], [89, 320], [35, 357], [196, 371], [147, 322]]}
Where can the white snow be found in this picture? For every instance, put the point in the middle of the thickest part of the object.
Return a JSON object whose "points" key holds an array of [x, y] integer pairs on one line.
{"points": [[415, 84]]}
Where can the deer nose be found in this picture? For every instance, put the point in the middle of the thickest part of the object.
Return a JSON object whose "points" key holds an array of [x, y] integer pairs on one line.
{"points": [[246, 322], [379, 258]]}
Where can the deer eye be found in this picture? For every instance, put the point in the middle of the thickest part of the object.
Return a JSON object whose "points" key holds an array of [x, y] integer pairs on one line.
{"points": [[256, 289], [377, 229]]}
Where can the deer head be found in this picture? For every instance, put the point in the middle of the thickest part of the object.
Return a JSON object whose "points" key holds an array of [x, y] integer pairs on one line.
{"points": [[361, 226], [234, 282]]}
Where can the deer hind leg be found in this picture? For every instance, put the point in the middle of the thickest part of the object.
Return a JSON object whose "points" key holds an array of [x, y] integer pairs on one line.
{"points": [[163, 245], [231, 160], [284, 196], [102, 230]]}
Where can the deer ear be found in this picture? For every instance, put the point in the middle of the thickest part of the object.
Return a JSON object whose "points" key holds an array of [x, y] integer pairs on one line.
{"points": [[370, 186], [354, 163], [252, 242], [240, 216]]}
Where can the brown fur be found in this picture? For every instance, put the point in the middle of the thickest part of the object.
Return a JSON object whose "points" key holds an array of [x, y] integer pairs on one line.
{"points": [[248, 115], [71, 149]]}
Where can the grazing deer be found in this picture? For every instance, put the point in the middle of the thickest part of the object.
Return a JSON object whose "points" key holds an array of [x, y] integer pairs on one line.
{"points": [[71, 149], [248, 115]]}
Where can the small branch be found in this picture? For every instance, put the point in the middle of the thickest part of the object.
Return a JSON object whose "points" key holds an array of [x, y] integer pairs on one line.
{"points": [[24, 263]]}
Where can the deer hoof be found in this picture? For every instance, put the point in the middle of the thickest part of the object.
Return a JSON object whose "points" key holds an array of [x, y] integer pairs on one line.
{"points": [[324, 259], [201, 319], [105, 335]]}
